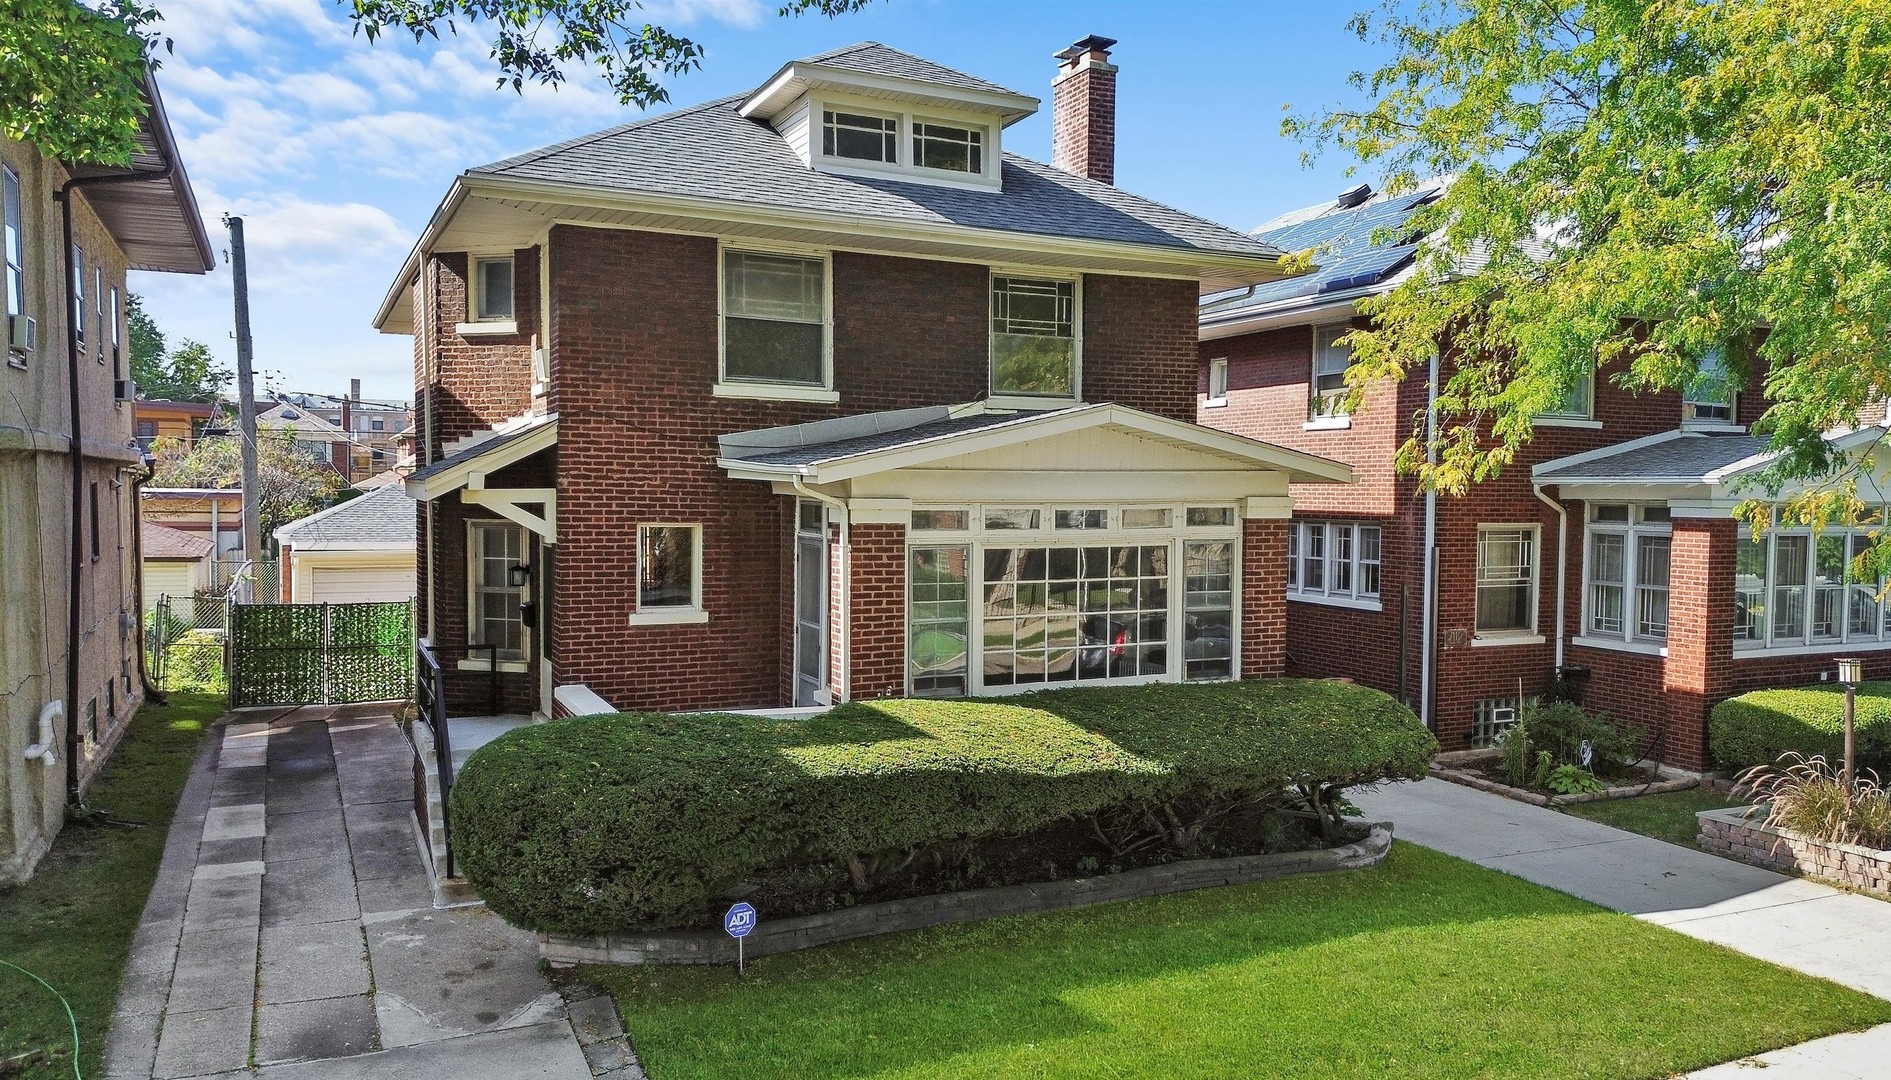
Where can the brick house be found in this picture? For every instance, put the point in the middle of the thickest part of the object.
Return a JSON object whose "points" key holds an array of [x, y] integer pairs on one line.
{"points": [[814, 393], [1607, 553], [71, 233]]}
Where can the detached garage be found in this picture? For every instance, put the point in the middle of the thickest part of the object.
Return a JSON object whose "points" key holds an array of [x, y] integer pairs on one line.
{"points": [[360, 551], [176, 563]]}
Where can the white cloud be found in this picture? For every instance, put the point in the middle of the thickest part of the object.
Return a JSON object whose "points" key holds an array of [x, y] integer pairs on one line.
{"points": [[200, 27], [324, 91]]}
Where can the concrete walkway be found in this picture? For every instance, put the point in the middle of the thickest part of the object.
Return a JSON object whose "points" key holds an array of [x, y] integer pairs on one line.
{"points": [[291, 932], [1791, 922]]}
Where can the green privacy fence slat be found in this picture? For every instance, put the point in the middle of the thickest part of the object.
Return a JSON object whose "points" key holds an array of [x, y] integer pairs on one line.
{"points": [[320, 654]]}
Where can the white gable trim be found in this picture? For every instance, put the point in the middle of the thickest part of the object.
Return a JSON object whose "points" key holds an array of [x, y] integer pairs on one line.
{"points": [[543, 437]]}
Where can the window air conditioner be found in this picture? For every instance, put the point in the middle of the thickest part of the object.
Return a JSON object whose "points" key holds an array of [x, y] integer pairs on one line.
{"points": [[23, 333]]}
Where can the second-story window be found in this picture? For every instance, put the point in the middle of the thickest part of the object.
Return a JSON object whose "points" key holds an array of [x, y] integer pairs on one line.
{"points": [[492, 290], [13, 248], [114, 319], [948, 147], [860, 136], [1708, 396], [1218, 381], [1578, 401], [78, 294], [774, 319], [1033, 337], [1331, 358], [98, 299]]}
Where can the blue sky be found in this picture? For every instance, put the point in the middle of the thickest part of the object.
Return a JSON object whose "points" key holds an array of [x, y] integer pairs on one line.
{"points": [[335, 151]]}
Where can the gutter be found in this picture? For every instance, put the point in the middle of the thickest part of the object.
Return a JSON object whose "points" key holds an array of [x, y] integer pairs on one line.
{"points": [[845, 598], [76, 455], [1562, 563]]}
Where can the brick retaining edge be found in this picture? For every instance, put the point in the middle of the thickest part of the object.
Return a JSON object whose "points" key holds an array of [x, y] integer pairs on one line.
{"points": [[1731, 834], [1441, 768], [893, 916]]}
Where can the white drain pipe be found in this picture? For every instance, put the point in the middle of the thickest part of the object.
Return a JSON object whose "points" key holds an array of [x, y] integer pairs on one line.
{"points": [[46, 749]]}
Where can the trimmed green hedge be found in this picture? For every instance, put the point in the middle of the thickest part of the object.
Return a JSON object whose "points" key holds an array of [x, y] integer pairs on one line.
{"points": [[1757, 727], [602, 823]]}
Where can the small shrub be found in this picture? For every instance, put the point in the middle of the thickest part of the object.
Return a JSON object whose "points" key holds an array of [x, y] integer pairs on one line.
{"points": [[602, 823], [1574, 780], [1759, 727], [1551, 735], [1808, 795]]}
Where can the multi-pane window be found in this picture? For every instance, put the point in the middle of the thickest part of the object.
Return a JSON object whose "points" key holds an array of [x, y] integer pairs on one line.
{"points": [[1709, 393], [860, 136], [13, 248], [1063, 614], [1208, 580], [948, 146], [492, 289], [669, 567], [114, 322], [1331, 358], [1334, 559], [1033, 337], [1627, 572], [98, 300], [939, 622], [774, 316], [497, 621], [1797, 586], [1218, 380], [1506, 579], [78, 294]]}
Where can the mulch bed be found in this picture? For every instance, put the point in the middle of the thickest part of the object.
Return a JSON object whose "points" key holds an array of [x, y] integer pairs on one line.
{"points": [[1486, 773]]}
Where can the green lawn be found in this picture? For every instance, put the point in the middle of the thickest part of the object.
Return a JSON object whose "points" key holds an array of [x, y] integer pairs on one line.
{"points": [[72, 923], [1667, 817], [1424, 967]]}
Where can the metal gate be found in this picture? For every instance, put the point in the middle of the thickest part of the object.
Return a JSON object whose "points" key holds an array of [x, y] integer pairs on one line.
{"points": [[320, 654]]}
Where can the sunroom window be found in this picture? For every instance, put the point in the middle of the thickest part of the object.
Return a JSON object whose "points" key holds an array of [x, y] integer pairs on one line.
{"points": [[1033, 337], [1627, 571], [1798, 587]]}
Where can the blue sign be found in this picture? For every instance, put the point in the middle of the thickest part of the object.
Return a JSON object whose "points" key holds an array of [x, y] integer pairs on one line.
{"points": [[740, 921]]}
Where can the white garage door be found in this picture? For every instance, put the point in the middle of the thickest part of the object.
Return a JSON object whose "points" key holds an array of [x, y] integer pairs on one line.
{"points": [[359, 585]]}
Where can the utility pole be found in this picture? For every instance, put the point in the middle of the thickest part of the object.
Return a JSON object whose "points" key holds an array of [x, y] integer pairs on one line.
{"points": [[246, 398]]}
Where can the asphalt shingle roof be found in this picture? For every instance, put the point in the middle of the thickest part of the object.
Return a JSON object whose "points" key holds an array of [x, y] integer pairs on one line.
{"points": [[476, 450], [1691, 455], [302, 422], [873, 58], [382, 516], [1344, 248], [887, 440], [707, 151], [161, 542]]}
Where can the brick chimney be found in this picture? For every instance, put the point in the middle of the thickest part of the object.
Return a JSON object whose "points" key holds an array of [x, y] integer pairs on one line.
{"points": [[1083, 110]]}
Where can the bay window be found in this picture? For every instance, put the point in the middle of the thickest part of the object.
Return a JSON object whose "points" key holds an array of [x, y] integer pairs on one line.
{"points": [[1333, 560], [1627, 561], [1797, 587]]}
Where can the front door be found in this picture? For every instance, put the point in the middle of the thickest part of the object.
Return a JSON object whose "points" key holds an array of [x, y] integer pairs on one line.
{"points": [[810, 606]]}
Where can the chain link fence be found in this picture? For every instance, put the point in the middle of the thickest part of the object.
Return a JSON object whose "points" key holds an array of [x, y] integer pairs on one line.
{"points": [[187, 643]]}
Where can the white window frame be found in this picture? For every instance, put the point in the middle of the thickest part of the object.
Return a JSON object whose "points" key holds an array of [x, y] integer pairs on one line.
{"points": [[817, 123], [13, 280], [1517, 635], [1632, 532], [1770, 643], [475, 556], [78, 296], [693, 612], [767, 391], [1334, 547], [1217, 383], [476, 290], [1692, 402], [1180, 534], [1326, 408], [911, 147], [1585, 417], [1012, 399]]}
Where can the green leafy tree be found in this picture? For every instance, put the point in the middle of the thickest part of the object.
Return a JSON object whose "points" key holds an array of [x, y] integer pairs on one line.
{"points": [[188, 373], [71, 75], [294, 484], [1638, 183]]}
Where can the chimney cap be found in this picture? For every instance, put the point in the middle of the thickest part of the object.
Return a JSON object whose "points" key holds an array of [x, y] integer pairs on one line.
{"points": [[1093, 43]]}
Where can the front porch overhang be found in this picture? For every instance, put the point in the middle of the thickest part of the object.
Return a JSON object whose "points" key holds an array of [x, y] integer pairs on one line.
{"points": [[1102, 451], [1702, 474], [467, 471]]}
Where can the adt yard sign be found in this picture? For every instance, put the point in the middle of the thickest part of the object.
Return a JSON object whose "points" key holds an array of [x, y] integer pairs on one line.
{"points": [[740, 923]]}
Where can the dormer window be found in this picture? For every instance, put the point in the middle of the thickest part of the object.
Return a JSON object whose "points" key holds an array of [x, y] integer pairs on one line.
{"points": [[948, 147], [860, 137]]}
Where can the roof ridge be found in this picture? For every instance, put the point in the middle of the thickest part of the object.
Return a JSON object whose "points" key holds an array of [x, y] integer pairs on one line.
{"points": [[530, 156], [845, 49]]}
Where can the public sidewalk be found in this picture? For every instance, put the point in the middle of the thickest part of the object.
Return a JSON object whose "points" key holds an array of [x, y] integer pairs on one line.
{"points": [[291, 932], [1789, 921]]}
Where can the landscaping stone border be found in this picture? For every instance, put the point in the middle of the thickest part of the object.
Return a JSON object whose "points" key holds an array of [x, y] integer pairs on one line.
{"points": [[892, 916], [1442, 767], [1751, 839]]}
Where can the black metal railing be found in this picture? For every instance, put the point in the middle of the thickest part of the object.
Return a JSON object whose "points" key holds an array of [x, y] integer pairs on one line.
{"points": [[430, 703]]}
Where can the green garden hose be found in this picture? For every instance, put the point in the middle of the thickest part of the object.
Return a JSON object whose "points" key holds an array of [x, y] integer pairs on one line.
{"points": [[70, 1019]]}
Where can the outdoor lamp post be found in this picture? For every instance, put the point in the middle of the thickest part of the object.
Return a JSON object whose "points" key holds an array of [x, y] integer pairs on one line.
{"points": [[1850, 674]]}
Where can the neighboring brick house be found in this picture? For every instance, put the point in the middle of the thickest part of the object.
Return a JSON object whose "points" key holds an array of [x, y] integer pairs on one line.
{"points": [[374, 428], [1666, 605], [70, 233], [814, 393]]}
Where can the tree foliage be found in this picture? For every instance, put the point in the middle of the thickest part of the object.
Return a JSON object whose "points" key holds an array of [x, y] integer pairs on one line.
{"points": [[1637, 182], [187, 373], [294, 483], [72, 75]]}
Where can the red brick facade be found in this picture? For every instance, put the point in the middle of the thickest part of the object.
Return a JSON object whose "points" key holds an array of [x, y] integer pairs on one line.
{"points": [[1083, 117], [1268, 379]]}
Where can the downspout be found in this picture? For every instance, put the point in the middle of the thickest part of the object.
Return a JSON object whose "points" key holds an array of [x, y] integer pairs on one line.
{"points": [[845, 644], [76, 454], [1562, 564], [151, 693], [1429, 601]]}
